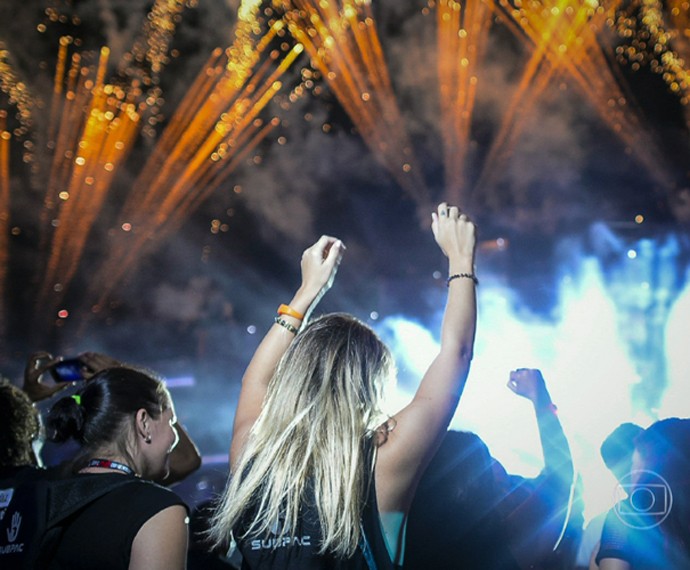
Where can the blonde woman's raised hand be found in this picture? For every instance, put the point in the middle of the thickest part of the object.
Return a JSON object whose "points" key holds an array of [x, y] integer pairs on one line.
{"points": [[319, 265], [453, 231]]}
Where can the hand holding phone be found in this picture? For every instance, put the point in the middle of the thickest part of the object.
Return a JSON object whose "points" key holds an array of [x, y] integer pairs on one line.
{"points": [[34, 385], [39, 385]]}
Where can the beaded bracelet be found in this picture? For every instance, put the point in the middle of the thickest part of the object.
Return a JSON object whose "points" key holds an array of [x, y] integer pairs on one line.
{"points": [[290, 312], [471, 276], [285, 324]]}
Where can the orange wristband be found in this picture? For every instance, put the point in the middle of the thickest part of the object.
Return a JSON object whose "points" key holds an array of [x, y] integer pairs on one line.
{"points": [[290, 312]]}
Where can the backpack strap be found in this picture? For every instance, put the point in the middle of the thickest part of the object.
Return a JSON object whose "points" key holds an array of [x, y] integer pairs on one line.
{"points": [[66, 500]]}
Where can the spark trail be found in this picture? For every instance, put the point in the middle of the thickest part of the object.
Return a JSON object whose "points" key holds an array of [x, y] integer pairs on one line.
{"points": [[462, 33], [5, 137], [565, 40], [214, 129], [92, 129], [142, 65], [658, 34], [17, 93], [341, 39], [96, 129]]}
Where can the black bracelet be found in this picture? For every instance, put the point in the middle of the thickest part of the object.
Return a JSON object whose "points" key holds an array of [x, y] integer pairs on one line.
{"points": [[288, 326], [463, 275]]}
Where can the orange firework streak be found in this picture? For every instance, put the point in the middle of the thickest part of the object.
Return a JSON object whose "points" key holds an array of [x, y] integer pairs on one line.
{"points": [[564, 36], [96, 132], [462, 32], [341, 40], [93, 127], [5, 137], [214, 129]]}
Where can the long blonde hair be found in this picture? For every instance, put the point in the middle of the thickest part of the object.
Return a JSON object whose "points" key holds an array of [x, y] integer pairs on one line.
{"points": [[321, 407]]}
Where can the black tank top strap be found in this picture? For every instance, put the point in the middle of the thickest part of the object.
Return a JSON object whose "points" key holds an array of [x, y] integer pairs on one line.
{"points": [[373, 543]]}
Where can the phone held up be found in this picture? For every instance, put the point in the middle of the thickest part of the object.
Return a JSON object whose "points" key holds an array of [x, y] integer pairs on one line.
{"points": [[67, 370]]}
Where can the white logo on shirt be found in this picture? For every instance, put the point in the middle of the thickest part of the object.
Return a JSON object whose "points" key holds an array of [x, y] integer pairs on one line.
{"points": [[286, 541], [5, 497], [13, 531]]}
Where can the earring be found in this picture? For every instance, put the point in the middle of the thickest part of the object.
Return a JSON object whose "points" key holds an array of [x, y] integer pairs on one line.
{"points": [[147, 439]]}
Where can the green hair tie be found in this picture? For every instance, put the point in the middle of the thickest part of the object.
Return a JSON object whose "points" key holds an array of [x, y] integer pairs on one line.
{"points": [[77, 399]]}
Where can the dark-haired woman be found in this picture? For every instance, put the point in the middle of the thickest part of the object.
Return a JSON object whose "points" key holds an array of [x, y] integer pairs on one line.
{"points": [[124, 421]]}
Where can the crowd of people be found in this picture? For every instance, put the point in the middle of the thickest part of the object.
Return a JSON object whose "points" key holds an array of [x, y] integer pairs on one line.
{"points": [[321, 475]]}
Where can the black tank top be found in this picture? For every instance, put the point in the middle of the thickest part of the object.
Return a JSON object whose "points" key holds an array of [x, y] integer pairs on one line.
{"points": [[300, 551]]}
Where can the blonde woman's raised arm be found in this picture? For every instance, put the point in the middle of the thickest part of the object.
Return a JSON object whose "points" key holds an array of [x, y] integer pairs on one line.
{"points": [[419, 427], [319, 265]]}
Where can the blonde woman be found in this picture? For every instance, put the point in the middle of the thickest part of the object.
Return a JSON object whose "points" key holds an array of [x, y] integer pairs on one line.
{"points": [[320, 477]]}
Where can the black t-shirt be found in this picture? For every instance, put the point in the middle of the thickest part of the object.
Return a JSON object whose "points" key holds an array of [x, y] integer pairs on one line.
{"points": [[23, 508], [642, 544], [101, 535]]}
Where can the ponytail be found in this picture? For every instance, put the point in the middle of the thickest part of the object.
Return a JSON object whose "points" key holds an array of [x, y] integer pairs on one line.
{"points": [[66, 420]]}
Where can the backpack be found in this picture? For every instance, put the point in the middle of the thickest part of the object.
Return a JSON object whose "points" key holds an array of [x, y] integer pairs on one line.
{"points": [[34, 511]]}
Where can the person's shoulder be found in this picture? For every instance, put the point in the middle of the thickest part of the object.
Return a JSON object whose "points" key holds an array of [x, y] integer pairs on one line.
{"points": [[120, 495], [133, 484], [143, 489], [147, 484]]}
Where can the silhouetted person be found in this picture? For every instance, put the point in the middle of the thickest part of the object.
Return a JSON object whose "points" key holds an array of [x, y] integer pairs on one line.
{"points": [[540, 523], [650, 529], [617, 452], [19, 428], [453, 523]]}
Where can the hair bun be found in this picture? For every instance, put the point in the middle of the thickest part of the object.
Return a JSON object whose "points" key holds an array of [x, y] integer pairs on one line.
{"points": [[66, 419]]}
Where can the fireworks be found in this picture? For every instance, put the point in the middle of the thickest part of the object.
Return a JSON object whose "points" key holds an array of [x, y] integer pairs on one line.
{"points": [[96, 127], [462, 32], [141, 67], [565, 41], [17, 93], [341, 39], [216, 126], [93, 126], [658, 37], [95, 117], [5, 137]]}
